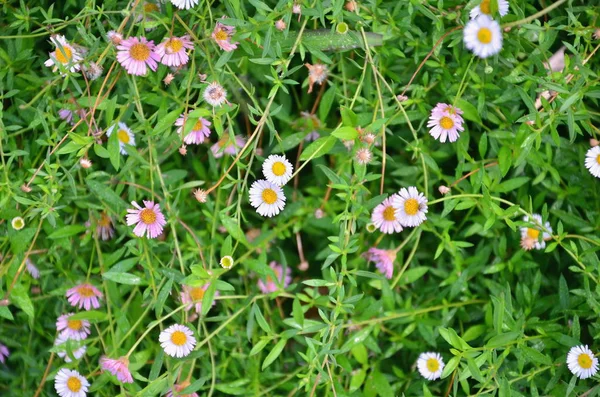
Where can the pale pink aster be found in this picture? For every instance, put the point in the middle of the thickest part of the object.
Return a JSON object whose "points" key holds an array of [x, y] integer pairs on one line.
{"points": [[84, 296], [72, 329], [118, 367], [384, 260], [269, 285], [386, 216], [32, 269], [168, 78], [446, 122], [197, 134], [78, 350], [104, 227], [222, 36], [172, 51], [136, 55], [149, 220], [66, 115], [192, 297], [179, 388], [224, 145], [4, 353]]}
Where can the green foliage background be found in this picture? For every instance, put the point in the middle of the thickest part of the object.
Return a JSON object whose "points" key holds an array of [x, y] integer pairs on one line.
{"points": [[502, 318]]}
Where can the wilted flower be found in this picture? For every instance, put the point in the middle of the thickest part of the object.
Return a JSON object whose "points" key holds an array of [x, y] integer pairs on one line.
{"points": [[317, 73], [269, 285], [201, 195], [363, 156], [222, 36], [444, 189], [280, 25], [114, 37], [384, 260], [215, 94], [118, 367], [85, 163], [168, 78], [92, 71], [104, 227]]}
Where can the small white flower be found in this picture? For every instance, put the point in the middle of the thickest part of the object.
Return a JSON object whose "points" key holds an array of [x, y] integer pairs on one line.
{"points": [[124, 135], [531, 235], [412, 207], [226, 262], [267, 198], [177, 340], [17, 223], [582, 362], [69, 383], [430, 365], [592, 161], [76, 350], [65, 55], [277, 169], [215, 94], [484, 8], [483, 36], [184, 4]]}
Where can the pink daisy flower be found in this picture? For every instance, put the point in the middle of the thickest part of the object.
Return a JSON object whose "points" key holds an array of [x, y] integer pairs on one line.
{"points": [[384, 260], [84, 296], [72, 329], [386, 217], [118, 367], [4, 353], [150, 220], [224, 145], [66, 115], [199, 132], [222, 35], [32, 269], [193, 296], [179, 388], [446, 122], [135, 54], [269, 285], [172, 51]]}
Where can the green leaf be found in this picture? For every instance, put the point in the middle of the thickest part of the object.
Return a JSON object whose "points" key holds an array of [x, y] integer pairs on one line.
{"points": [[297, 312], [123, 278], [511, 184], [469, 111], [318, 148], [349, 117], [502, 339], [104, 193], [272, 356], [165, 122], [233, 229], [563, 293], [413, 274], [90, 315], [19, 297], [504, 160], [67, 231], [260, 319], [260, 345], [345, 133], [114, 149]]}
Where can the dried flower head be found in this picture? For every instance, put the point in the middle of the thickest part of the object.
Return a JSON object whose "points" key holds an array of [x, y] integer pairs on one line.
{"points": [[201, 195], [317, 73], [85, 162], [215, 94], [444, 189], [363, 156], [368, 138], [183, 150], [168, 78], [280, 25]]}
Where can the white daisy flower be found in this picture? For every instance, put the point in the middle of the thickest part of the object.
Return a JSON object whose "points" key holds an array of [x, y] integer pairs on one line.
{"points": [[69, 383], [184, 4], [177, 340], [65, 55], [277, 169], [215, 94], [592, 161], [430, 365], [267, 198], [412, 206], [65, 342], [582, 362], [530, 236], [483, 36], [484, 8], [124, 135]]}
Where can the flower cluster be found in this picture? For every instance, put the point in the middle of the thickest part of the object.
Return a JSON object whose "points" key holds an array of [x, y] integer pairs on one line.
{"points": [[482, 34], [267, 195], [407, 208]]}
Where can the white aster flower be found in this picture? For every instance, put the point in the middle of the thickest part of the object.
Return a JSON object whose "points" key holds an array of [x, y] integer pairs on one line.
{"points": [[184, 4], [277, 169], [124, 135], [530, 236], [215, 94], [69, 383], [267, 198], [592, 161], [412, 207], [484, 8], [177, 340], [73, 346], [430, 365], [582, 362], [483, 36], [65, 55]]}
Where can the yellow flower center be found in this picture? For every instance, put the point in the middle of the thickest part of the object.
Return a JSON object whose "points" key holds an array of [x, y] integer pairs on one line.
{"points": [[485, 7], [148, 216], [484, 35], [269, 196], [123, 136], [64, 55], [104, 221], [446, 123], [278, 168], [198, 126], [178, 338], [74, 384], [150, 7], [389, 214], [411, 206], [433, 364], [598, 159], [533, 233], [221, 35], [174, 45], [139, 52], [584, 361], [18, 223], [75, 325], [85, 291], [197, 293]]}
